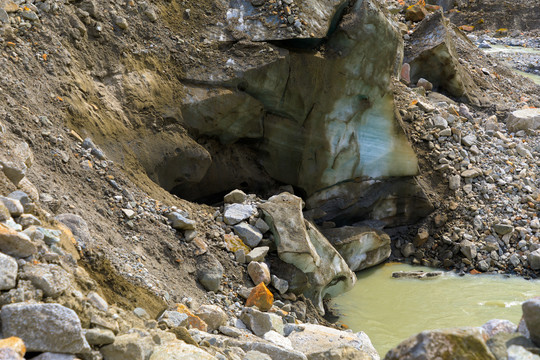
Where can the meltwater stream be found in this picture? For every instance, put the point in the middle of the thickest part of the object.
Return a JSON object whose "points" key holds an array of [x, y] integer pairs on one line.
{"points": [[390, 310]]}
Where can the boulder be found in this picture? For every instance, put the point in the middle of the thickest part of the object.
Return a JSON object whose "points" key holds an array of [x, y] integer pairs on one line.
{"points": [[465, 343], [278, 339], [261, 322], [432, 55], [50, 278], [15, 243], [259, 272], [99, 337], [212, 315], [13, 346], [257, 254], [173, 319], [77, 225], [15, 158], [14, 206], [260, 297], [24, 199], [283, 213], [360, 247], [502, 341], [496, 326], [192, 321], [250, 235], [525, 119], [129, 346], [180, 222], [313, 340], [44, 327], [531, 316], [178, 350], [235, 196], [209, 272], [235, 213], [8, 272], [534, 259]]}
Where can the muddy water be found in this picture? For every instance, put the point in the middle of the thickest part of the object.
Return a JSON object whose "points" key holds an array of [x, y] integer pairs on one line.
{"points": [[516, 51], [390, 310]]}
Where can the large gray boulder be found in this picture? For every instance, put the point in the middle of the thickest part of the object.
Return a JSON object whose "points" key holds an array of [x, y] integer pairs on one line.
{"points": [[531, 316], [525, 119], [315, 340], [360, 247], [44, 327], [456, 344], [50, 278]]}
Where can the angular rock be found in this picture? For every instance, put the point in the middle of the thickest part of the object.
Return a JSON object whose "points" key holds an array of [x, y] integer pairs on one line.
{"points": [[360, 247], [262, 226], [313, 340], [432, 55], [193, 321], [209, 272], [8, 272], [235, 213], [213, 316], [257, 254], [99, 336], [468, 249], [98, 301], [24, 199], [531, 315], [466, 343], [260, 322], [235, 197], [179, 351], [256, 355], [278, 339], [78, 227], [50, 278], [129, 346], [526, 119], [496, 326], [180, 222], [250, 235], [503, 229], [15, 243], [280, 285], [415, 13], [516, 352], [260, 297], [12, 345], [454, 182], [534, 259], [468, 140], [44, 327], [259, 272], [283, 213], [14, 206], [173, 319]]}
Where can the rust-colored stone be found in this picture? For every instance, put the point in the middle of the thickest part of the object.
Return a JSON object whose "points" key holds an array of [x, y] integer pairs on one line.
{"points": [[193, 320], [14, 343], [260, 297]]}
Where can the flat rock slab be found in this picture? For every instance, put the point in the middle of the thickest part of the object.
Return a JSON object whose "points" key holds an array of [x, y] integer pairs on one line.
{"points": [[523, 120], [235, 213], [15, 244], [44, 327], [417, 275]]}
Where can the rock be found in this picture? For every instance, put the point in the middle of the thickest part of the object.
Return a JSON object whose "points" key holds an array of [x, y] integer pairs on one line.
{"points": [[407, 250], [415, 13], [97, 301], [468, 249], [496, 326], [209, 272], [24, 199], [439, 122], [233, 243], [471, 173], [180, 222], [260, 297], [283, 213], [173, 318], [405, 75], [99, 336], [4, 213], [235, 213], [341, 353], [8, 272], [13, 345], [15, 243], [50, 278], [313, 339], [235, 197], [427, 86], [432, 55], [503, 229], [483, 266], [526, 119], [213, 316], [275, 352], [466, 343], [263, 226], [230, 331], [129, 346], [534, 259], [454, 182], [78, 227], [130, 214], [193, 321], [250, 235], [14, 207], [256, 355], [44, 327], [422, 275], [121, 22], [531, 315], [280, 285], [468, 140], [260, 322], [516, 352], [26, 220], [257, 254], [360, 247], [55, 356], [178, 351], [500, 342], [278, 339]]}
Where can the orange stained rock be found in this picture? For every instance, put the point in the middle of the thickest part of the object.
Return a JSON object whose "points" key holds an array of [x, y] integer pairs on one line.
{"points": [[260, 297], [233, 243], [193, 320], [14, 343]]}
